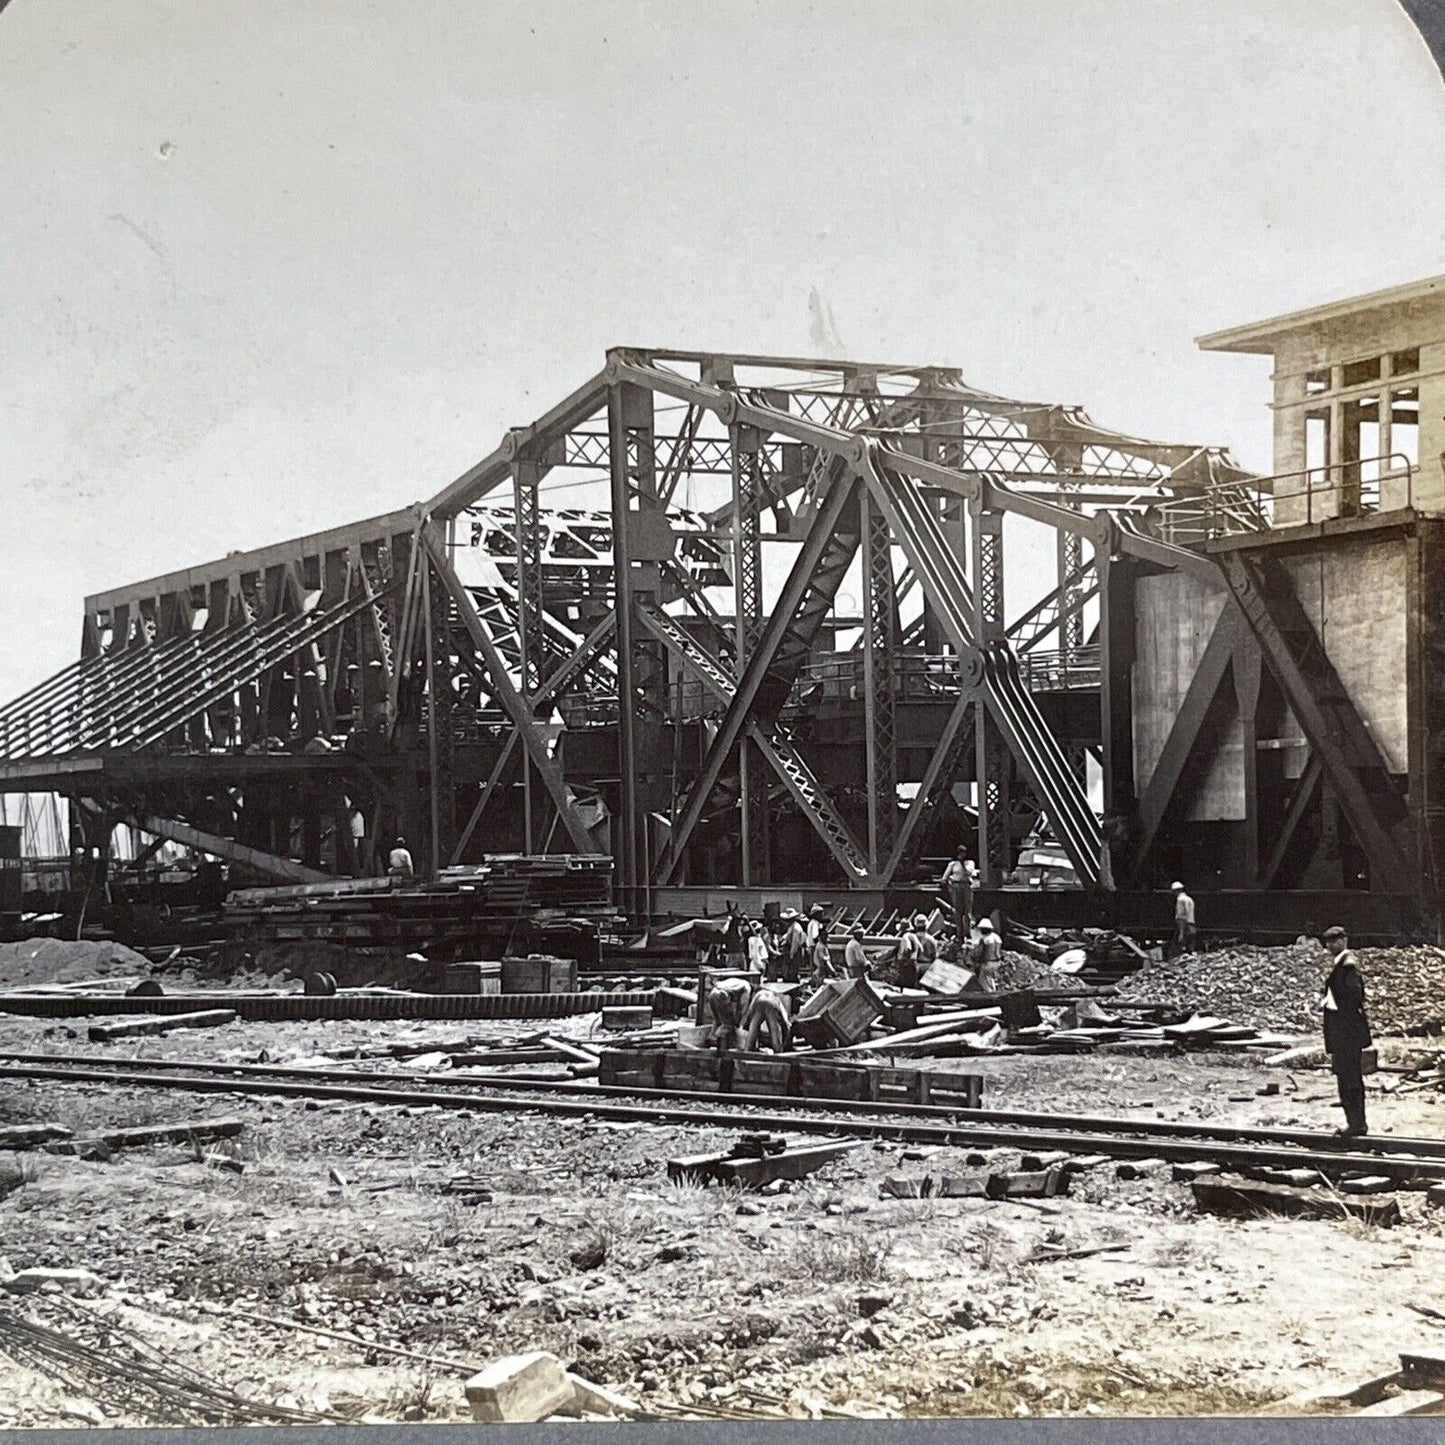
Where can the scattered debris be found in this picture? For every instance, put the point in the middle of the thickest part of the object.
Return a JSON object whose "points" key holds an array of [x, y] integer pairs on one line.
{"points": [[144, 1027]]}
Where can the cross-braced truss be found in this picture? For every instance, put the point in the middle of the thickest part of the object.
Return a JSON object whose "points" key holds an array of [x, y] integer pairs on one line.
{"points": [[731, 618]]}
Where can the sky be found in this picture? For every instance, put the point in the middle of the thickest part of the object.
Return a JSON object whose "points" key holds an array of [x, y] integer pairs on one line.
{"points": [[268, 267]]}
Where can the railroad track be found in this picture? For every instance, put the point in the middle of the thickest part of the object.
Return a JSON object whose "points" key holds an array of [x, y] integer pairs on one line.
{"points": [[1416, 1160]]}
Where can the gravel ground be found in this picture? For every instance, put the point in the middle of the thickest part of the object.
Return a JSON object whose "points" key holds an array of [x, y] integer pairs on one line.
{"points": [[821, 1299]]}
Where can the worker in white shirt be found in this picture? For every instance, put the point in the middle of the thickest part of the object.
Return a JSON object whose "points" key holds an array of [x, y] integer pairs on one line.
{"points": [[855, 957], [760, 951], [1184, 934], [398, 861], [958, 886]]}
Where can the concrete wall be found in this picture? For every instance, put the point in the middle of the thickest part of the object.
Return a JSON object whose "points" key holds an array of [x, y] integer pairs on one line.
{"points": [[1354, 592], [1174, 619], [1353, 338]]}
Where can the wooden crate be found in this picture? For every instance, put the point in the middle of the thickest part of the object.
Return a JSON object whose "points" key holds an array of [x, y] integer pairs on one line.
{"points": [[694, 1071], [758, 1074], [539, 975], [963, 1090], [897, 1086], [472, 978], [832, 1081], [846, 1006], [622, 1068]]}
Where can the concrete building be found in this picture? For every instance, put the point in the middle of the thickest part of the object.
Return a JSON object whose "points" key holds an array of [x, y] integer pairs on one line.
{"points": [[1319, 767]]}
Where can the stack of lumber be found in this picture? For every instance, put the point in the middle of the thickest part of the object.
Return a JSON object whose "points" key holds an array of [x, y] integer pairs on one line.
{"points": [[484, 903]]}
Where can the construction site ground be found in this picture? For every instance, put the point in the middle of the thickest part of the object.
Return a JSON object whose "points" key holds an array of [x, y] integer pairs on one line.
{"points": [[817, 1300]]}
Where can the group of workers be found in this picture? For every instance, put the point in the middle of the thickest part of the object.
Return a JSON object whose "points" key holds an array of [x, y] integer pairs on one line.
{"points": [[770, 961]]}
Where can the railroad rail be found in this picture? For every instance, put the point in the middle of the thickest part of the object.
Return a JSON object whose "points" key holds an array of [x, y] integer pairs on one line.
{"points": [[1404, 1159]]}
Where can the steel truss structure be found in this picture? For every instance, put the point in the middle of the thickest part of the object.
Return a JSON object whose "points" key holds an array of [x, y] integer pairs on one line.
{"points": [[769, 643]]}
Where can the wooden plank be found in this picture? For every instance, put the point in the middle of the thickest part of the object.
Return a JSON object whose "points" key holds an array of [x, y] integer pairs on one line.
{"points": [[197, 1131], [30, 1136], [755, 1172], [140, 1028], [1234, 1197]]}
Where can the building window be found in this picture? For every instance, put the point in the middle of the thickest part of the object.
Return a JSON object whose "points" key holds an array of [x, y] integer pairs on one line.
{"points": [[1359, 373], [1317, 382], [1405, 424], [1317, 446], [1405, 363]]}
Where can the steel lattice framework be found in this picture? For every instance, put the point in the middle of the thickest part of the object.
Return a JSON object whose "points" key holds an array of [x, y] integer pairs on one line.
{"points": [[733, 619]]}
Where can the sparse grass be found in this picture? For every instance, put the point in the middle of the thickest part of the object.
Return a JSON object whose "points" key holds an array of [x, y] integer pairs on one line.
{"points": [[855, 1255]]}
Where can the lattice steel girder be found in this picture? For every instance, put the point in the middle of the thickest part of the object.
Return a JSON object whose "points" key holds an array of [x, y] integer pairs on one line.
{"points": [[880, 645], [739, 712], [773, 747], [505, 691], [493, 470], [940, 773]]}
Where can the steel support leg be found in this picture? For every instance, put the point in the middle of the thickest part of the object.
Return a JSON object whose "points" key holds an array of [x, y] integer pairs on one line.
{"points": [[753, 772], [991, 759], [880, 647]]}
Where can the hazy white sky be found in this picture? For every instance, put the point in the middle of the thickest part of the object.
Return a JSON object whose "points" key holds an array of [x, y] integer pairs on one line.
{"points": [[267, 267]]}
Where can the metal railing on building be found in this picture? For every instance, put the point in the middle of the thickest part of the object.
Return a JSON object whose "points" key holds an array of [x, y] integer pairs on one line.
{"points": [[1287, 499]]}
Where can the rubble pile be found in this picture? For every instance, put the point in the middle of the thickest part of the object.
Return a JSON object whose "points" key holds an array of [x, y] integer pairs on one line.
{"points": [[1267, 987], [1404, 989], [1019, 971]]}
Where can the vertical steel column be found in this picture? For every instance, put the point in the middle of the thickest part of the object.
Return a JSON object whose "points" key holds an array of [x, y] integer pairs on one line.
{"points": [[641, 667], [748, 492], [526, 481], [625, 845], [880, 648], [432, 748], [1246, 666], [1116, 721], [991, 758]]}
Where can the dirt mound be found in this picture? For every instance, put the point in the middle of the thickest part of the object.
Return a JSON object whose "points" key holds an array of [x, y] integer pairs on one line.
{"points": [[1404, 989], [1275, 988], [1019, 971], [54, 960], [1280, 987]]}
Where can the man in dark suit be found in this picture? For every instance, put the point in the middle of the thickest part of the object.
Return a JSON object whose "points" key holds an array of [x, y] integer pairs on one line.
{"points": [[1347, 1031]]}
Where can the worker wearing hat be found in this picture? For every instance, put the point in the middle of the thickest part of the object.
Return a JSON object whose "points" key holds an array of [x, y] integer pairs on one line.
{"points": [[1184, 935], [819, 954], [1347, 1030], [855, 958], [927, 943], [795, 945], [957, 885], [986, 955], [760, 950]]}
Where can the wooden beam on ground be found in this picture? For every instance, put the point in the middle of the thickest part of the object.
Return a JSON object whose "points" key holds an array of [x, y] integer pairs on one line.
{"points": [[754, 1172], [140, 1028]]}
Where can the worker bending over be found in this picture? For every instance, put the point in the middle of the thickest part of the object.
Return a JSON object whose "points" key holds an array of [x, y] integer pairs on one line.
{"points": [[727, 1000], [398, 862], [768, 1011]]}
